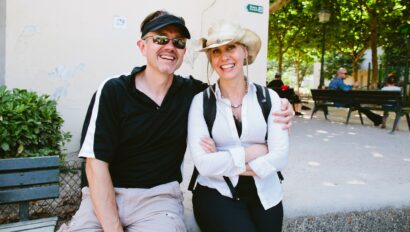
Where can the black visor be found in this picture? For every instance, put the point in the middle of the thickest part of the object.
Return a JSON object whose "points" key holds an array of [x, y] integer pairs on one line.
{"points": [[163, 21]]}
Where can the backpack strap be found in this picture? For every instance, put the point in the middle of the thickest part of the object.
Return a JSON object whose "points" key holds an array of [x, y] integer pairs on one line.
{"points": [[265, 103], [209, 108]]}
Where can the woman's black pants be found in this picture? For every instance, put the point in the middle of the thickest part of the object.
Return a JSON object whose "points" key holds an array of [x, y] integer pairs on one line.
{"points": [[216, 213]]}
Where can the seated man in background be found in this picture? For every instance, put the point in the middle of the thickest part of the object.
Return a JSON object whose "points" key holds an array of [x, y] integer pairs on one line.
{"points": [[283, 91], [338, 83], [276, 83]]}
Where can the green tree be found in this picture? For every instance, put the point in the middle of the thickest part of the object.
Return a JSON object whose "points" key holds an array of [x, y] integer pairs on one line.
{"points": [[395, 35], [354, 27], [292, 26], [348, 32], [380, 13], [301, 59]]}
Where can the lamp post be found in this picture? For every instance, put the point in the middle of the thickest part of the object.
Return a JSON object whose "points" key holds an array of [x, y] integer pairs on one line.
{"points": [[324, 16]]}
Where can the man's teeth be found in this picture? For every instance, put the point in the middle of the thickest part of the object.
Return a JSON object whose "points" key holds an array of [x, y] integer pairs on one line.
{"points": [[168, 57], [227, 66]]}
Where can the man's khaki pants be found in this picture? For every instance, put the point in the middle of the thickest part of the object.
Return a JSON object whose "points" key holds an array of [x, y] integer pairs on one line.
{"points": [[156, 209]]}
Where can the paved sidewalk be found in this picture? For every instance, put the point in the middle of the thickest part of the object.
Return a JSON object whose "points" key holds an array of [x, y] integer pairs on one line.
{"points": [[341, 177]]}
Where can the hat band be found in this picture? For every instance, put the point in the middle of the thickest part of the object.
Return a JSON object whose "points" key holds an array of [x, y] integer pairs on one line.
{"points": [[218, 41]]}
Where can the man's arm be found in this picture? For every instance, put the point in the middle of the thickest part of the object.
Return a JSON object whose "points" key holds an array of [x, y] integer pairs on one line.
{"points": [[103, 194], [338, 83]]}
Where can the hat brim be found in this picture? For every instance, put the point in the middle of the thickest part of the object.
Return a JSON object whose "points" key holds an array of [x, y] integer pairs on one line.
{"points": [[249, 39], [215, 45]]}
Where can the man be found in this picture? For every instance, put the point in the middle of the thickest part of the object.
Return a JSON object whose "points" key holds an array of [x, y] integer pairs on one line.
{"points": [[338, 83], [277, 82], [283, 91], [134, 138]]}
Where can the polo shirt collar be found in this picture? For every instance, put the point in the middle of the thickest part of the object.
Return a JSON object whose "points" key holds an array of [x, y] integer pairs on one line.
{"points": [[177, 81]]}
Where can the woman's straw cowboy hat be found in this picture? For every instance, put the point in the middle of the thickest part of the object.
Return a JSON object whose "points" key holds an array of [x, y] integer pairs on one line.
{"points": [[224, 32]]}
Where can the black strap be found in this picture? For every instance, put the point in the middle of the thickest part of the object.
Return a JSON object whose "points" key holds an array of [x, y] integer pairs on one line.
{"points": [[266, 105], [209, 108], [264, 101]]}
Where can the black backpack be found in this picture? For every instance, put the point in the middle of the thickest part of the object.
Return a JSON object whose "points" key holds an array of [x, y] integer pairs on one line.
{"points": [[209, 111]]}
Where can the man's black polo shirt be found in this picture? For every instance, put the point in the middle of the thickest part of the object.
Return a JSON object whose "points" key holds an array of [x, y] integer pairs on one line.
{"points": [[143, 143]]}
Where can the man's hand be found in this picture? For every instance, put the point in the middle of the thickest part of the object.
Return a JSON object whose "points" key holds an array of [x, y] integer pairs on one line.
{"points": [[285, 115]]}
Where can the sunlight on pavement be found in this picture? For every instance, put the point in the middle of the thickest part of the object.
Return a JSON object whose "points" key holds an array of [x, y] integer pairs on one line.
{"points": [[313, 163], [328, 184], [356, 182], [377, 155]]}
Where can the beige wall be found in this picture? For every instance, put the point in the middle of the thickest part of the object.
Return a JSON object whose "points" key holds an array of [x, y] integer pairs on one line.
{"points": [[65, 48], [2, 40]]}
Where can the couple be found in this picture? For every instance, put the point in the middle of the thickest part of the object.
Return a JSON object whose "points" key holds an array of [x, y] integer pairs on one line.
{"points": [[135, 136]]}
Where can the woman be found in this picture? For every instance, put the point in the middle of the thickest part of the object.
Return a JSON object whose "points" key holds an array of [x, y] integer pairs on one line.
{"points": [[238, 148]]}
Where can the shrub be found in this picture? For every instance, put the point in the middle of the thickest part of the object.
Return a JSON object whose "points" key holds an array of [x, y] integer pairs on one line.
{"points": [[29, 125]]}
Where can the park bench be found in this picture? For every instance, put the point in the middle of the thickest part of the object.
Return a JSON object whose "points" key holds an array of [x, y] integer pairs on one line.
{"points": [[29, 179], [373, 100]]}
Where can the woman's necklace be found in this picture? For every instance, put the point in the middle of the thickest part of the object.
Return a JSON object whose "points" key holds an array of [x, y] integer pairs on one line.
{"points": [[236, 111], [233, 106], [236, 106]]}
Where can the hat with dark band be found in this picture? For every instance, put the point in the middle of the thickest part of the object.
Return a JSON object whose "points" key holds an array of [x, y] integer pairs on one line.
{"points": [[223, 32]]}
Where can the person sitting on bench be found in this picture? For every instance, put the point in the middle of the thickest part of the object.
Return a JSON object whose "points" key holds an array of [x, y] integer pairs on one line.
{"points": [[338, 83], [390, 85], [278, 85]]}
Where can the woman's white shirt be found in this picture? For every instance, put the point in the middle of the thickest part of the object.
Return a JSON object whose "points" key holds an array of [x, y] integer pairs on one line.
{"points": [[229, 160]]}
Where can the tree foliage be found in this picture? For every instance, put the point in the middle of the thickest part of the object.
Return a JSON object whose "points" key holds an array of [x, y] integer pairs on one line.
{"points": [[290, 27], [354, 27]]}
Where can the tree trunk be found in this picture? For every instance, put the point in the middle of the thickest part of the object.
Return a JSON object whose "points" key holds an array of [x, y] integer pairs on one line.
{"points": [[277, 5], [280, 56], [355, 68], [373, 46], [297, 66]]}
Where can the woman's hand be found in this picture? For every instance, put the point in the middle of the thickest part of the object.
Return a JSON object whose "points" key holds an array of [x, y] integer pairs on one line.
{"points": [[248, 171], [208, 144], [254, 151]]}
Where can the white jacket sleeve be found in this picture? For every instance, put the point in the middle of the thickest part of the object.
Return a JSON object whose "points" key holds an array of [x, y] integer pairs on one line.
{"points": [[278, 145], [230, 162]]}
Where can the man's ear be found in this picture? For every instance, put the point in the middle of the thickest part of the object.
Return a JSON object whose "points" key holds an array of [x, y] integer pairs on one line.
{"points": [[142, 46]]}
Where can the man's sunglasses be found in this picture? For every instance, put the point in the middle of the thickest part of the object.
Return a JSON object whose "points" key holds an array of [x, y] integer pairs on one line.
{"points": [[163, 40]]}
